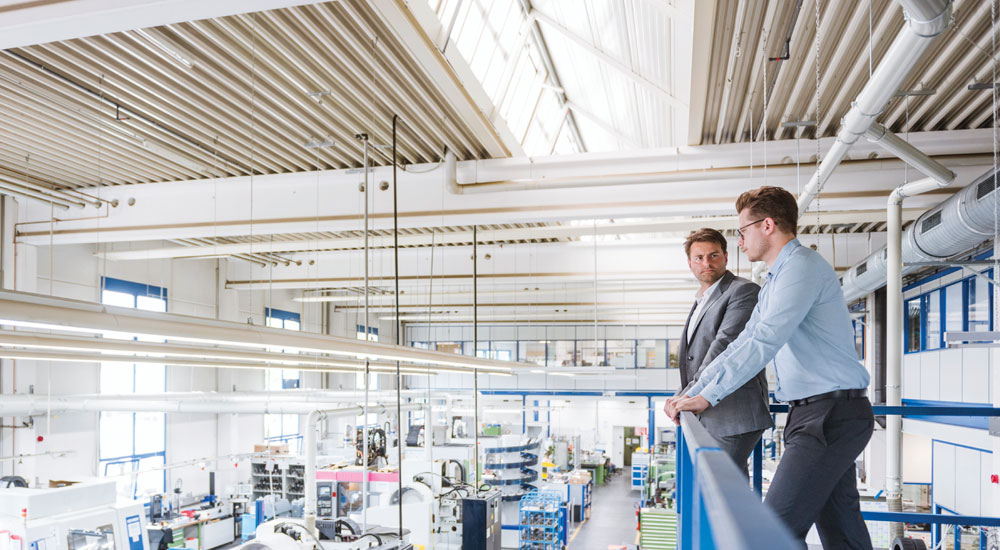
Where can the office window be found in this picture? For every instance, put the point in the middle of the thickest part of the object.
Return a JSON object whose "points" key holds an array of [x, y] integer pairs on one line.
{"points": [[954, 307], [372, 333], [559, 353], [979, 303], [532, 352], [652, 354], [913, 325], [133, 442], [283, 428], [859, 336], [674, 350], [932, 339], [620, 353]]}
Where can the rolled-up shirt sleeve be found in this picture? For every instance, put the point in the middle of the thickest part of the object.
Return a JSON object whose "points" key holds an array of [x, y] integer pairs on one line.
{"points": [[792, 294]]}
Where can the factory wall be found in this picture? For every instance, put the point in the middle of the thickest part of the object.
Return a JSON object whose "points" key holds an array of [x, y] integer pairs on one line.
{"points": [[193, 288], [955, 453]]}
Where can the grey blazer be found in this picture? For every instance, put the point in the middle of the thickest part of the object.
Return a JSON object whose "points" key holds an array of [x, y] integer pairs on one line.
{"points": [[722, 320]]}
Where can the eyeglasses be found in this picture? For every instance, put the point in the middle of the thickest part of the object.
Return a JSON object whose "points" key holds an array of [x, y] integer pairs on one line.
{"points": [[740, 230]]}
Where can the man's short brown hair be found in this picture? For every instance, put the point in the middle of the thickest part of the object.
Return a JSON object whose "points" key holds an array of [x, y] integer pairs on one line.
{"points": [[771, 202], [704, 235]]}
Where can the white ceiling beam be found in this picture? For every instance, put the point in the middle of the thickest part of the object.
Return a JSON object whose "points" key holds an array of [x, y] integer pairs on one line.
{"points": [[44, 22], [701, 50], [609, 60], [661, 182], [679, 226], [414, 24]]}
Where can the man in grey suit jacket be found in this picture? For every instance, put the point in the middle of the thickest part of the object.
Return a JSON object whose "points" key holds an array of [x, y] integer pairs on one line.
{"points": [[722, 307]]}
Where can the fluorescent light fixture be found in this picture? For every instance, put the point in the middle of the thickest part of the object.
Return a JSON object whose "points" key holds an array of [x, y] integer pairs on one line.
{"points": [[317, 143], [37, 311], [183, 61]]}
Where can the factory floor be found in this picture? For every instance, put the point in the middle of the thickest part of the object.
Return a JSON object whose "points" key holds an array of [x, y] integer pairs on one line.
{"points": [[612, 520]]}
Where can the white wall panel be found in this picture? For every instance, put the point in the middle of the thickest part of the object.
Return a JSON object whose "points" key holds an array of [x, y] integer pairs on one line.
{"points": [[967, 481], [976, 379], [951, 375], [944, 474], [911, 376]]}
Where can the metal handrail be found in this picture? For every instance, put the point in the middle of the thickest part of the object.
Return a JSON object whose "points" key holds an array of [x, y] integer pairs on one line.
{"points": [[717, 509]]}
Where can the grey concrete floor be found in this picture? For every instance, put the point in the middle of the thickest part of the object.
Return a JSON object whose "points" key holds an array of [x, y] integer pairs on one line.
{"points": [[612, 521]]}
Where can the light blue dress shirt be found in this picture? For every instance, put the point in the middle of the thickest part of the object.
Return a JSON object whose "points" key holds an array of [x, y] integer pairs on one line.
{"points": [[801, 321]]}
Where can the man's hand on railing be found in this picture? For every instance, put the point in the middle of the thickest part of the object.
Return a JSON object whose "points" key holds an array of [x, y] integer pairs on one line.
{"points": [[694, 404], [671, 409]]}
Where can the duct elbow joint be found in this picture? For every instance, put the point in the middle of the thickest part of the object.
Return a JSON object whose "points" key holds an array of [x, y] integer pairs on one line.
{"points": [[927, 27]]}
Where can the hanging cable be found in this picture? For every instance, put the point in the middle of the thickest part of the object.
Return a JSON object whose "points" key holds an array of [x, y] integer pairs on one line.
{"points": [[816, 45], [475, 344], [397, 328]]}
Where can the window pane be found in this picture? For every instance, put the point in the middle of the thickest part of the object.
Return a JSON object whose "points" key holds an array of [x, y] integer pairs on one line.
{"points": [[150, 481], [529, 352], [150, 378], [674, 348], [652, 354], [913, 324], [120, 299], [587, 355], [859, 336], [954, 307], [272, 425], [274, 322], [116, 378], [273, 379], [621, 354], [934, 320], [449, 347], [150, 304], [291, 325], [116, 434], [150, 432], [289, 424], [979, 304], [560, 353]]}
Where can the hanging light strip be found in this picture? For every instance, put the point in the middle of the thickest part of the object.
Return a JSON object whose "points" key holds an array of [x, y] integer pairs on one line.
{"points": [[33, 310]]}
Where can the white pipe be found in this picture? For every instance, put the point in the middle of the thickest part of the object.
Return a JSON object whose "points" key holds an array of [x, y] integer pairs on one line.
{"points": [[896, 145], [909, 45], [894, 338]]}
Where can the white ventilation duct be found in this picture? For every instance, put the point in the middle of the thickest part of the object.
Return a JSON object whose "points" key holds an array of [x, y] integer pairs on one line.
{"points": [[953, 227]]}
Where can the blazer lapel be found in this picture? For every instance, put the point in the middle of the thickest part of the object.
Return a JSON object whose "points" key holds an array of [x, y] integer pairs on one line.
{"points": [[682, 350], [727, 279]]}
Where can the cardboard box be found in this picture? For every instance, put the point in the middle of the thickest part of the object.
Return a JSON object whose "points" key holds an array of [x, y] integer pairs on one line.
{"points": [[273, 448], [56, 483]]}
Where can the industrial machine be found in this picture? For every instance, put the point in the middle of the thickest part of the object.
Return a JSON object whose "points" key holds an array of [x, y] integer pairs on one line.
{"points": [[324, 499], [81, 516], [377, 446], [333, 534], [481, 529]]}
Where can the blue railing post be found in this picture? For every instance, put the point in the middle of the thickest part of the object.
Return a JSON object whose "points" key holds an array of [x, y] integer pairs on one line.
{"points": [[685, 496], [758, 467], [702, 530]]}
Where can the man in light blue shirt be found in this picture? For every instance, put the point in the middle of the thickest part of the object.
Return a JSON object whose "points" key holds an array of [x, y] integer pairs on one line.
{"points": [[802, 323]]}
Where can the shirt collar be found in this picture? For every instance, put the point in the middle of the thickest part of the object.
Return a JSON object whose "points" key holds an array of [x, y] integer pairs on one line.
{"points": [[786, 251], [708, 291]]}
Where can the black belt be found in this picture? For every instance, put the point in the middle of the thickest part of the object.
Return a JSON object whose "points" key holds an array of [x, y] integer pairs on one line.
{"points": [[836, 394]]}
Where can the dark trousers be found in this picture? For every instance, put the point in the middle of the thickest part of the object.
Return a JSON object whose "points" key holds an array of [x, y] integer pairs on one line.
{"points": [[815, 481], [739, 447]]}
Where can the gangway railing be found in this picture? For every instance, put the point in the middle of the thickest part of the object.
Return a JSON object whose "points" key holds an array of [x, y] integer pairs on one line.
{"points": [[717, 509]]}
